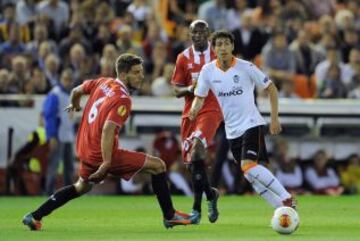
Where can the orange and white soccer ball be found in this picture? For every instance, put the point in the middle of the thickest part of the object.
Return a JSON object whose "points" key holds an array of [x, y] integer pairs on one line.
{"points": [[285, 220]]}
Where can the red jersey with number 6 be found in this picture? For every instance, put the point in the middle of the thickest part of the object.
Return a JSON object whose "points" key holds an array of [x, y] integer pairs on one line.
{"points": [[109, 100]]}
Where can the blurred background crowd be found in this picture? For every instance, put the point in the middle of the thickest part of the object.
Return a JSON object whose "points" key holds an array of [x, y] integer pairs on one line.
{"points": [[309, 48]]}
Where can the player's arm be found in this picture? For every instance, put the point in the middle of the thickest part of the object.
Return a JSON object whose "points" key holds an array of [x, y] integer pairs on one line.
{"points": [[275, 127], [75, 97], [181, 91], [196, 106], [107, 143]]}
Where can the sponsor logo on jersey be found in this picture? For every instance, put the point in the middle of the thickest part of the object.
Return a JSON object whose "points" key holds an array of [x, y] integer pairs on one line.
{"points": [[266, 80], [236, 78], [234, 92], [122, 110]]}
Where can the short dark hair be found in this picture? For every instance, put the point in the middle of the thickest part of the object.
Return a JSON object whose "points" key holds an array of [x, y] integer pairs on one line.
{"points": [[126, 61], [222, 34]]}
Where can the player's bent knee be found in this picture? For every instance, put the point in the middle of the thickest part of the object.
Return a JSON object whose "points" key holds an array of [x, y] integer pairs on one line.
{"points": [[198, 150], [82, 187], [155, 165]]}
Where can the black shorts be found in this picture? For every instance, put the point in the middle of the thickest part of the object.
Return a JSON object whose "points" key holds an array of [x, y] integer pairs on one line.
{"points": [[250, 146]]}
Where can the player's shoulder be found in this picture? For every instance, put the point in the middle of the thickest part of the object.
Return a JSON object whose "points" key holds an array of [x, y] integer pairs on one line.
{"points": [[185, 55], [244, 63], [209, 66]]}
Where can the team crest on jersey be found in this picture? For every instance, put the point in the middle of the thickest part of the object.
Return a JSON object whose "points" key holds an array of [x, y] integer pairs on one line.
{"points": [[236, 78], [122, 110]]}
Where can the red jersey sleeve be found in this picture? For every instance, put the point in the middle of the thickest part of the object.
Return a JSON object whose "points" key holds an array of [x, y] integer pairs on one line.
{"points": [[120, 112], [89, 85], [179, 75]]}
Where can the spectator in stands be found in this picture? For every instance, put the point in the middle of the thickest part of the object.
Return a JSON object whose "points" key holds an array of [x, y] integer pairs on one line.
{"points": [[59, 131], [318, 8], [161, 86], [279, 61], [40, 35], [104, 14], [333, 86], [322, 178], [326, 42], [214, 12], [352, 69], [153, 35], [249, 40], [350, 176], [236, 11], [38, 82], [107, 68], [13, 46], [76, 60], [158, 60], [4, 81], [139, 9], [288, 90], [354, 92], [19, 75], [103, 37], [57, 11], [6, 25], [351, 40], [167, 147], [322, 69], [288, 172], [51, 70], [305, 53], [109, 53], [26, 11], [125, 41]]}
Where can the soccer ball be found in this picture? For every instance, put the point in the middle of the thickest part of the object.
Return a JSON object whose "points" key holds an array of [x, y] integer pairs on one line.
{"points": [[285, 220]]}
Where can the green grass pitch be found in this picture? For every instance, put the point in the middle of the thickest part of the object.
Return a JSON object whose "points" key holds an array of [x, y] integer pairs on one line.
{"points": [[138, 218]]}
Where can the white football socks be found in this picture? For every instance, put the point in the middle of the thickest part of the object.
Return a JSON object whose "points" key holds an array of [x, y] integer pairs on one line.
{"points": [[262, 175], [273, 199]]}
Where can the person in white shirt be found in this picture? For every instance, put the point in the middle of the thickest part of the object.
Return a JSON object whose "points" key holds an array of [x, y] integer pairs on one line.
{"points": [[233, 80]]}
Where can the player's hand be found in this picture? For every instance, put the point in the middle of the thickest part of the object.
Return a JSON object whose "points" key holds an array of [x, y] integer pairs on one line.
{"points": [[72, 108], [275, 127], [100, 174]]}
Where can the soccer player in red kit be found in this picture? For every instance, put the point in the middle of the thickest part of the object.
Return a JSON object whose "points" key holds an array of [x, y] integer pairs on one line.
{"points": [[106, 111], [196, 136]]}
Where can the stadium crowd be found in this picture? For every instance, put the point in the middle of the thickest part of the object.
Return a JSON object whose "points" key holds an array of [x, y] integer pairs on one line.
{"points": [[310, 49]]}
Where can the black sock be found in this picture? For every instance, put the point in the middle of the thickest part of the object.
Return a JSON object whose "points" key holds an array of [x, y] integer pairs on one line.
{"points": [[201, 183], [162, 192], [56, 200]]}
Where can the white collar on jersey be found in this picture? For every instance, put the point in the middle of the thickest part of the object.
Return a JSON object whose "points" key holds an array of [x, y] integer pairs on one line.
{"points": [[207, 54]]}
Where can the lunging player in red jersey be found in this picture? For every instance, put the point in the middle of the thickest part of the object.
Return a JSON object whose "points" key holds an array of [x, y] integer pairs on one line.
{"points": [[106, 111], [196, 136]]}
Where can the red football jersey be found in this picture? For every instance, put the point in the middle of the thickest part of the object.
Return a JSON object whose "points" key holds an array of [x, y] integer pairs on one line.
{"points": [[187, 70], [109, 100]]}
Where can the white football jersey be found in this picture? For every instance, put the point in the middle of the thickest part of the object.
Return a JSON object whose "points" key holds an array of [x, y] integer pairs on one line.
{"points": [[234, 90]]}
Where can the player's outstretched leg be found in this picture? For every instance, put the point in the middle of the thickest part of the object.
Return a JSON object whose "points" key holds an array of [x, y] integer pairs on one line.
{"points": [[201, 184], [59, 198], [172, 217], [273, 191]]}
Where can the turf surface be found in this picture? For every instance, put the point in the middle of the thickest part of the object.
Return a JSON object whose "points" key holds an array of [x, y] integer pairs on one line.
{"points": [[138, 218]]}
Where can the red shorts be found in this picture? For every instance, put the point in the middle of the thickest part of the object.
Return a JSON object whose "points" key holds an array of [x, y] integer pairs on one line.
{"points": [[125, 164], [204, 128]]}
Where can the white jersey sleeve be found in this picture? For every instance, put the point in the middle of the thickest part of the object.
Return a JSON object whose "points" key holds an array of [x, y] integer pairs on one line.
{"points": [[260, 79], [203, 83]]}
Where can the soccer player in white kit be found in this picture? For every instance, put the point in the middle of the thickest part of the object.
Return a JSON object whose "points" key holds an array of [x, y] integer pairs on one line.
{"points": [[233, 80]]}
